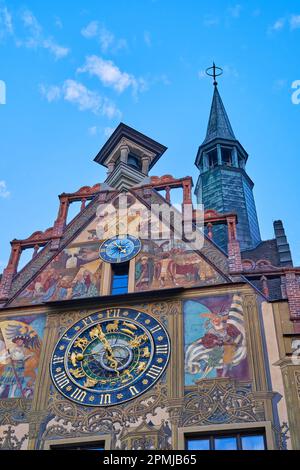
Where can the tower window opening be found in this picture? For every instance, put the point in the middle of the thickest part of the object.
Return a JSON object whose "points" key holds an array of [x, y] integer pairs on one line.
{"points": [[134, 162], [119, 282], [226, 156], [212, 158]]}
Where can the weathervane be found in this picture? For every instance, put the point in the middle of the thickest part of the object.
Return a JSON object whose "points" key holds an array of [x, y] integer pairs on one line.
{"points": [[216, 72]]}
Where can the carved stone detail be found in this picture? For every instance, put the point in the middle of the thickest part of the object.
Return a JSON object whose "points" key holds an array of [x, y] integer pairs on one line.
{"points": [[222, 401], [14, 411]]}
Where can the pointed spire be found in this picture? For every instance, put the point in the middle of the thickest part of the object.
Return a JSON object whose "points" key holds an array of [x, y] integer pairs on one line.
{"points": [[218, 124]]}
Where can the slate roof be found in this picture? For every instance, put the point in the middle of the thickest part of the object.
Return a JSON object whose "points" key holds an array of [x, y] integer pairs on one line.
{"points": [[218, 124], [265, 250]]}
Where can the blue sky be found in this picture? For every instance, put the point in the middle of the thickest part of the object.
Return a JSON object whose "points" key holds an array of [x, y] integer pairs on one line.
{"points": [[72, 73]]}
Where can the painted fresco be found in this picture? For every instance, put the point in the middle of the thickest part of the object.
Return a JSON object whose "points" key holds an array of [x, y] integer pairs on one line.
{"points": [[215, 339], [171, 263], [20, 348], [74, 273]]}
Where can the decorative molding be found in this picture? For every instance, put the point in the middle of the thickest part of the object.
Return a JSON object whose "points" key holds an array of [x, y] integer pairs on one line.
{"points": [[222, 401]]}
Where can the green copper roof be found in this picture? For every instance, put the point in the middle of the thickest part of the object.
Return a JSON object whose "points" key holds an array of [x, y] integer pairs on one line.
{"points": [[219, 126]]}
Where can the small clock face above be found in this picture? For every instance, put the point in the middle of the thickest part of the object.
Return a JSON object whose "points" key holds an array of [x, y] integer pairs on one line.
{"points": [[110, 357], [120, 249]]}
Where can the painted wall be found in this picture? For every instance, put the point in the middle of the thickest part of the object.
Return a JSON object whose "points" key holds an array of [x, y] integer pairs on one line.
{"points": [[20, 349], [171, 263], [215, 338]]}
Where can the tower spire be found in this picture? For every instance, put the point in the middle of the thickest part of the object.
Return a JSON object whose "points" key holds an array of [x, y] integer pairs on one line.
{"points": [[219, 126], [223, 184]]}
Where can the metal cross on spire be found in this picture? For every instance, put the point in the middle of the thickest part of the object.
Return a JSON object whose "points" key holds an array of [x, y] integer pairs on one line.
{"points": [[214, 72]]}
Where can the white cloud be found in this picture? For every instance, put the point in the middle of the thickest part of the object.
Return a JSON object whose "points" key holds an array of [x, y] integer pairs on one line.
{"points": [[295, 21], [78, 94], [31, 23], [108, 41], [110, 75], [109, 109], [6, 24], [97, 130], [235, 11], [91, 30], [278, 25], [202, 74], [36, 38], [51, 93], [4, 193], [58, 51]]}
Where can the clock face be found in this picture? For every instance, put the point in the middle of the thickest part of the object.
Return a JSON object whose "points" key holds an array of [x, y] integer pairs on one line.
{"points": [[110, 357], [120, 249]]}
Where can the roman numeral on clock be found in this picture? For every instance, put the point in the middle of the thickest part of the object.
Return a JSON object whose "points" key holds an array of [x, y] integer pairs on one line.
{"points": [[57, 360], [133, 390], [105, 399], [87, 321], [111, 313], [162, 349], [78, 394], [154, 371], [155, 329], [62, 379], [66, 338]]}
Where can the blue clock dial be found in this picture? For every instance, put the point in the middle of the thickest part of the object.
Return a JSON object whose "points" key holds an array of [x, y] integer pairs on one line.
{"points": [[120, 249], [110, 357]]}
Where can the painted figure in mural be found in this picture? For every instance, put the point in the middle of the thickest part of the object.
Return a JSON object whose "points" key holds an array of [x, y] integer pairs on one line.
{"points": [[84, 285], [222, 346], [19, 358], [171, 264], [164, 271], [186, 266], [74, 273], [144, 271]]}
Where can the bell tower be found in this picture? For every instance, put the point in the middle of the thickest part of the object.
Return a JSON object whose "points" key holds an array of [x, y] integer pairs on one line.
{"points": [[128, 156], [223, 183]]}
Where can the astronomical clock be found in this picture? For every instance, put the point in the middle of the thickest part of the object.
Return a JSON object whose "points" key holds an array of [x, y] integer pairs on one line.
{"points": [[110, 357]]}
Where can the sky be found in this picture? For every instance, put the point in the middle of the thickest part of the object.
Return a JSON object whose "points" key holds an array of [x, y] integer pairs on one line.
{"points": [[73, 71]]}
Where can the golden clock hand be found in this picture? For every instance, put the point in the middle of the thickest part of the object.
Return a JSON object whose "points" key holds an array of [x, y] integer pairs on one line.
{"points": [[109, 352]]}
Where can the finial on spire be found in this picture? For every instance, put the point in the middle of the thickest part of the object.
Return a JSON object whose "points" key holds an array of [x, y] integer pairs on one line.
{"points": [[216, 72]]}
